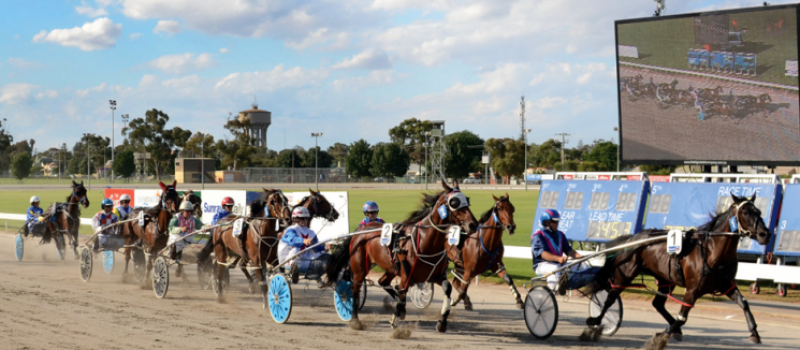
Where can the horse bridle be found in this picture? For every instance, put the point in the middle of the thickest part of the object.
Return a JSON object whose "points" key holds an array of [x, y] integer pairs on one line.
{"points": [[741, 231], [498, 222], [284, 206], [455, 221]]}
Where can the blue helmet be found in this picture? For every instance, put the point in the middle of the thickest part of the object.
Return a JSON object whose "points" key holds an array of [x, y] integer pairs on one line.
{"points": [[106, 203], [549, 214], [370, 206]]}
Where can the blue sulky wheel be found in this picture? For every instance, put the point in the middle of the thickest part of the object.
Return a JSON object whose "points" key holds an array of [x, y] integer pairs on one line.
{"points": [[19, 247], [343, 299], [280, 299], [108, 261]]}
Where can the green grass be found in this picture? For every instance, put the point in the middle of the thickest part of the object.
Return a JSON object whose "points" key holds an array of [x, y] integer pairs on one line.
{"points": [[665, 43]]}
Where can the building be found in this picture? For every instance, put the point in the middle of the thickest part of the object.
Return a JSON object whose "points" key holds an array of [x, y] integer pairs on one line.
{"points": [[260, 120], [188, 170]]}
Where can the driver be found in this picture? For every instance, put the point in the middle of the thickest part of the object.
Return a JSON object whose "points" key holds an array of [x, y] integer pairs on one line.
{"points": [[227, 209], [34, 215], [104, 218], [298, 237], [183, 224], [124, 209], [549, 245], [370, 209]]}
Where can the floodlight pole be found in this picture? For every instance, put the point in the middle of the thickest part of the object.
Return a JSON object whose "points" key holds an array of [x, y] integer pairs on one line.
{"points": [[525, 170], [88, 162], [316, 136], [113, 105], [202, 160], [563, 144]]}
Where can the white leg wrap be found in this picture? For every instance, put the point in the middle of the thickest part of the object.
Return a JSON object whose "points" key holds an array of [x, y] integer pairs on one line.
{"points": [[446, 305], [681, 318]]}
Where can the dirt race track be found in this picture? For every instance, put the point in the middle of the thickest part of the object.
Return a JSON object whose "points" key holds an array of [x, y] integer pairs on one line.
{"points": [[45, 305]]}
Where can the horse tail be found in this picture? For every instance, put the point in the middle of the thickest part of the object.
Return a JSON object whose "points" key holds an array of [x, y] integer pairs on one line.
{"points": [[602, 279], [207, 249], [339, 259]]}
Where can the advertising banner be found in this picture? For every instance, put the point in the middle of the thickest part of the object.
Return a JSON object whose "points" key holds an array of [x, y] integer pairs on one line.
{"points": [[115, 193]]}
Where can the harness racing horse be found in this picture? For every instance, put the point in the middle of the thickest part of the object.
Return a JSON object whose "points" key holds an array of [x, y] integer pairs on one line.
{"points": [[67, 219], [483, 250], [421, 254], [154, 234], [707, 264]]}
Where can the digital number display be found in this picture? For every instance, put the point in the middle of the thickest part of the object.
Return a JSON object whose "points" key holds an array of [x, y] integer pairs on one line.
{"points": [[626, 201], [574, 201], [607, 230], [549, 199], [659, 203], [725, 202], [790, 241], [599, 201]]}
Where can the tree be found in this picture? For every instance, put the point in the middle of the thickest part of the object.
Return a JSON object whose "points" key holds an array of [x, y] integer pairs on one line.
{"points": [[338, 151], [604, 153], [389, 160], [238, 151], [98, 148], [5, 142], [410, 134], [359, 159], [289, 158], [325, 159], [655, 169], [124, 164], [545, 155], [200, 145], [571, 165], [507, 155], [460, 159], [160, 142], [21, 165]]}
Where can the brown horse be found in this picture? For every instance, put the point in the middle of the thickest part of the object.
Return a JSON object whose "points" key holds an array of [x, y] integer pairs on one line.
{"points": [[68, 219], [706, 265], [483, 250], [154, 234], [421, 253]]}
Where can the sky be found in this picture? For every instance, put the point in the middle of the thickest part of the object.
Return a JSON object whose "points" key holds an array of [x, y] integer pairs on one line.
{"points": [[348, 69]]}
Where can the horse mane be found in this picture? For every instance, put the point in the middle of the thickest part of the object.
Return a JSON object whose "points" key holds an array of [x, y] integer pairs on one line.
{"points": [[257, 206], [714, 219], [428, 202]]}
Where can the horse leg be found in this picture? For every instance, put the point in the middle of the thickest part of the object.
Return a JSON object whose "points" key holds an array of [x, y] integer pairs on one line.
{"points": [[400, 306], [613, 294], [125, 276], [441, 325], [222, 255], [386, 282], [251, 287], [514, 292], [675, 328], [658, 303], [460, 288], [736, 296], [147, 281]]}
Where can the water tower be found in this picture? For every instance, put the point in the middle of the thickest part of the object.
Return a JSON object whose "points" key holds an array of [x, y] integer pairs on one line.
{"points": [[260, 121]]}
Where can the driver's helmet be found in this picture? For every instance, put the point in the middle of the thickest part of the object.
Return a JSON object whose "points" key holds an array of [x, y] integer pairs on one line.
{"points": [[35, 199], [370, 207], [300, 212], [228, 201], [124, 198], [548, 215], [106, 203], [186, 206]]}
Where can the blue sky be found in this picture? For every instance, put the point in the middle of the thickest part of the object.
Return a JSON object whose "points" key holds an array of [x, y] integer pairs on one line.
{"points": [[348, 69]]}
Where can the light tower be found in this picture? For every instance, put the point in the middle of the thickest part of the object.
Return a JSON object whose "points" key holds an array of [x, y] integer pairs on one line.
{"points": [[438, 148], [260, 120]]}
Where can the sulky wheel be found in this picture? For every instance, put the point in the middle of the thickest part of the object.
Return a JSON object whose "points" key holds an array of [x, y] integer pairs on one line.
{"points": [[226, 281], [613, 317], [19, 246], [363, 297], [541, 312], [781, 290], [108, 261], [205, 275], [60, 247], [161, 277], [86, 264], [280, 299], [422, 295], [343, 299], [139, 265]]}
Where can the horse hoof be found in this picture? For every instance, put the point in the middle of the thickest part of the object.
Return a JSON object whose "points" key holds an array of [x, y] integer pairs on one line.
{"points": [[402, 316], [441, 326], [755, 339], [221, 300], [355, 324], [677, 336], [468, 307], [252, 288], [520, 305], [592, 321]]}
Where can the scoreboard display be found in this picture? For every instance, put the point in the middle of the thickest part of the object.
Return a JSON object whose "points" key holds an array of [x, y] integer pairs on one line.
{"points": [[684, 206], [787, 240], [594, 211]]}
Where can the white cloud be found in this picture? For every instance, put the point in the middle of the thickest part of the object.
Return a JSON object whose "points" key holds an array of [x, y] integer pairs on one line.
{"points": [[181, 63], [224, 50], [16, 93], [97, 35], [278, 78], [167, 26], [135, 36], [20, 63], [90, 11], [46, 94], [374, 78], [548, 102], [367, 59], [85, 92]]}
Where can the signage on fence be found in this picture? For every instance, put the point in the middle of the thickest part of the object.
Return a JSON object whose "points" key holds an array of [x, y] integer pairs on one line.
{"points": [[591, 210], [628, 51], [683, 206], [115, 193], [791, 68], [212, 203]]}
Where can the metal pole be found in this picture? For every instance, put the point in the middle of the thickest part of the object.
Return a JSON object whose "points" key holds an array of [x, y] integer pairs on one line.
{"points": [[525, 169], [428, 139], [113, 108], [563, 144], [203, 160], [618, 144], [316, 160]]}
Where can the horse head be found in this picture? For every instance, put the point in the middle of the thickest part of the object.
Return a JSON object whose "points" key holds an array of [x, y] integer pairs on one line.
{"points": [[748, 219], [503, 211], [278, 204], [318, 206], [79, 194], [170, 200], [193, 198], [456, 203]]}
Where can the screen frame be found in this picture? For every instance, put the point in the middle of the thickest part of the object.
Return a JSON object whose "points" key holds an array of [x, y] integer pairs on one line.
{"points": [[719, 162]]}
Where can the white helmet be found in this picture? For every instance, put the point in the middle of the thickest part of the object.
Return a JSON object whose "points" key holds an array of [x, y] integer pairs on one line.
{"points": [[186, 205], [300, 212], [35, 199], [125, 197]]}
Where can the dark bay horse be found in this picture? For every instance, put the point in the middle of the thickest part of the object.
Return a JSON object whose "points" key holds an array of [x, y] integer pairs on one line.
{"points": [[154, 234], [483, 250], [421, 258], [67, 218], [706, 265]]}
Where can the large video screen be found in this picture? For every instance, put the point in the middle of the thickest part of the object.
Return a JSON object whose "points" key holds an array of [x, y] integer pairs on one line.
{"points": [[710, 88]]}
